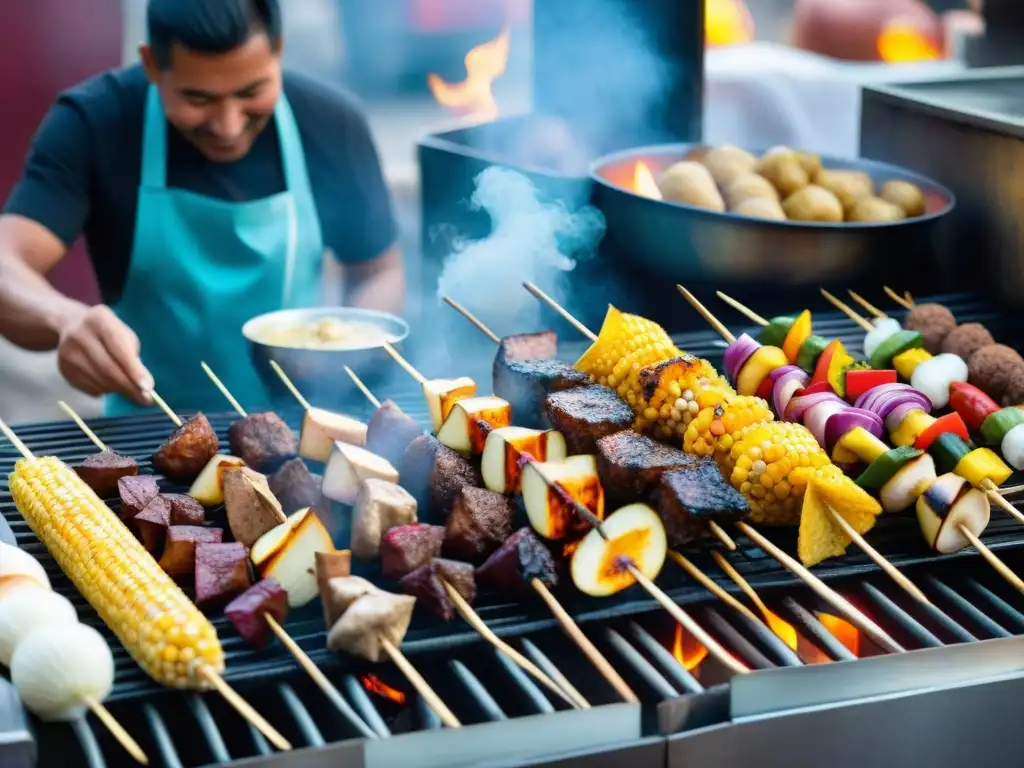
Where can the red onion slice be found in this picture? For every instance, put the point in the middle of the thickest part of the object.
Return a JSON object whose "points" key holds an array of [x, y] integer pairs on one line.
{"points": [[786, 386], [845, 421], [817, 417], [737, 354], [800, 403]]}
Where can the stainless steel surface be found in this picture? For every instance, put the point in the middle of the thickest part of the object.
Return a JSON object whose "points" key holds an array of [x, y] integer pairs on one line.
{"points": [[318, 373], [967, 133], [693, 245]]}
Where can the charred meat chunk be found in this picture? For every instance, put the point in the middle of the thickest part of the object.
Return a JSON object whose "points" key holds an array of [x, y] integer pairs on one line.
{"points": [[179, 556], [390, 431], [586, 414], [630, 465], [516, 563], [379, 507], [542, 345], [263, 441], [477, 525], [152, 524], [427, 582], [222, 571], [248, 612], [434, 474], [525, 384], [188, 449], [101, 471], [295, 486], [689, 499], [374, 617], [185, 510], [407, 547], [136, 492]]}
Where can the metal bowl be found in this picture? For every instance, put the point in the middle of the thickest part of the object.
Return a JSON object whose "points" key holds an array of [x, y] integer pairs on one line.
{"points": [[683, 243], [319, 374]]}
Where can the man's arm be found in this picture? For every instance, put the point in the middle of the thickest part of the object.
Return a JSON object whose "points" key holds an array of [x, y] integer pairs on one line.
{"points": [[378, 283]]}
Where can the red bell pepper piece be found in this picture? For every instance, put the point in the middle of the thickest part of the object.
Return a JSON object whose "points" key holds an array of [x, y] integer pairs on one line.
{"points": [[951, 422], [859, 381], [821, 386], [764, 390], [973, 405]]}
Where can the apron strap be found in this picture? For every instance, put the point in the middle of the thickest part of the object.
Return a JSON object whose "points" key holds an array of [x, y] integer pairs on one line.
{"points": [[293, 156], [154, 142]]}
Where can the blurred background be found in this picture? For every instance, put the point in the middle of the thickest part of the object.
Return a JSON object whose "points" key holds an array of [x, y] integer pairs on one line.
{"points": [[405, 59]]}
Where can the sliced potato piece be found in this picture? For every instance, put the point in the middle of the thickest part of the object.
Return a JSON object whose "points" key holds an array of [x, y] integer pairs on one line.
{"points": [[208, 487], [346, 469], [321, 429], [505, 448], [549, 489], [442, 394], [466, 428], [947, 505], [904, 488], [636, 536], [294, 562]]}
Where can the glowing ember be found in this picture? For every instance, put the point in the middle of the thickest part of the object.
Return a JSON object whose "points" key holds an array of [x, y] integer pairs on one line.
{"points": [[843, 631], [727, 22], [687, 651], [374, 684], [473, 97], [901, 42], [785, 631], [643, 181]]}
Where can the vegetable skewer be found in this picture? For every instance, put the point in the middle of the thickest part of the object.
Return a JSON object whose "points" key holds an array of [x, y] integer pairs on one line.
{"points": [[829, 595], [691, 626], [415, 679]]}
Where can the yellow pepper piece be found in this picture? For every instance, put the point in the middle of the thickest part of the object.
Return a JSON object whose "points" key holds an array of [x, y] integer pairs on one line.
{"points": [[798, 333], [858, 445], [906, 362], [983, 464], [837, 366], [756, 369], [820, 536], [912, 427]]}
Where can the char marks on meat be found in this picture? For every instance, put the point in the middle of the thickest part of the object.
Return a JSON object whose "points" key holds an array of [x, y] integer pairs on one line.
{"points": [[407, 547], [688, 499], [525, 384], [586, 414], [426, 584], [188, 449], [263, 441], [294, 485], [434, 474], [516, 563], [136, 492], [102, 471], [479, 522], [630, 465], [390, 431]]}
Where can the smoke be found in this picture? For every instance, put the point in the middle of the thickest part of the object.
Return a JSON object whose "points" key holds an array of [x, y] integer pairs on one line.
{"points": [[531, 240]]}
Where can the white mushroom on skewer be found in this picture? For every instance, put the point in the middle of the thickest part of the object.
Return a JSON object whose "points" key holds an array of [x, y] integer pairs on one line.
{"points": [[25, 610]]}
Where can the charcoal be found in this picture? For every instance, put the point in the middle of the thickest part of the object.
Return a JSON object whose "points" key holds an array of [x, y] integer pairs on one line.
{"points": [[586, 414], [689, 499], [516, 563], [136, 492], [479, 522], [630, 465], [426, 585], [179, 556], [407, 547], [434, 474], [103, 470], [263, 441], [248, 612], [390, 431], [222, 571], [295, 486], [185, 510], [187, 450]]}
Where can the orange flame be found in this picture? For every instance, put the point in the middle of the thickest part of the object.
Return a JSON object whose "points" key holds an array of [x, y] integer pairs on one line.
{"points": [[473, 96], [727, 22], [843, 631], [688, 651], [901, 42], [570, 547], [644, 183], [785, 631], [374, 684]]}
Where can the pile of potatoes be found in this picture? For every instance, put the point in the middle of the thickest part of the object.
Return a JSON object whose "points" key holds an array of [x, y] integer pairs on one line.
{"points": [[785, 184]]}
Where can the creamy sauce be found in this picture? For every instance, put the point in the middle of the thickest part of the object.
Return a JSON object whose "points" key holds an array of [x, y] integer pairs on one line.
{"points": [[327, 333]]}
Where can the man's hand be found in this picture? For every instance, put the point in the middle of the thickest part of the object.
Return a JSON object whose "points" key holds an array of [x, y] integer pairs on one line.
{"points": [[98, 354]]}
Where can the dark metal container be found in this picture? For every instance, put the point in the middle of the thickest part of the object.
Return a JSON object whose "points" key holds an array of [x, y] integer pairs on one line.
{"points": [[683, 243], [966, 133]]}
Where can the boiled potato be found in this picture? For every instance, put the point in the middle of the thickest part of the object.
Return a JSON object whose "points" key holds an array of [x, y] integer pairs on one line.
{"points": [[875, 209], [848, 186], [813, 203], [907, 196], [749, 185], [760, 208], [727, 163], [809, 161], [691, 183], [783, 169]]}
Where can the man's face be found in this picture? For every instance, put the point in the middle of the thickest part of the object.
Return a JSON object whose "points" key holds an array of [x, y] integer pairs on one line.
{"points": [[220, 102]]}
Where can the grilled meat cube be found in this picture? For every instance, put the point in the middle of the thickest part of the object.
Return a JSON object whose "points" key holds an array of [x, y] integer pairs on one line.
{"points": [[136, 492], [542, 345], [222, 571], [688, 499], [179, 556], [263, 441], [525, 384], [390, 431], [102, 470], [295, 486], [188, 449], [477, 525], [407, 547], [185, 510], [434, 474], [516, 563], [372, 617], [426, 584], [379, 507], [248, 612], [586, 414], [152, 524], [630, 465]]}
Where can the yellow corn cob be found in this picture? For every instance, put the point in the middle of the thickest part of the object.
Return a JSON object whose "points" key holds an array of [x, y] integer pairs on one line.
{"points": [[666, 396], [771, 464], [154, 620], [624, 337], [715, 428]]}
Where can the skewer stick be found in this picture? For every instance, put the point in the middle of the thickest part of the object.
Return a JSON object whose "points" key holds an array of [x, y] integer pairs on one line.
{"points": [[890, 570], [243, 707], [782, 629], [80, 423], [995, 495], [845, 308], [698, 575], [565, 692], [720, 534], [472, 318], [897, 298], [397, 357], [825, 592], [165, 408], [1001, 568], [115, 728], [584, 331], [422, 686], [224, 390], [909, 298], [709, 318], [744, 310], [362, 387], [291, 386], [867, 305]]}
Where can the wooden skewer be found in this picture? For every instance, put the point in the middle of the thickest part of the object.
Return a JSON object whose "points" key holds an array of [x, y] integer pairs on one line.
{"points": [[1001, 568], [422, 686], [909, 298], [705, 581], [584, 331], [783, 629], [472, 318], [224, 390], [744, 310], [995, 495], [867, 305], [397, 357], [73, 414], [291, 386], [165, 408], [897, 298], [845, 308], [709, 318], [243, 707], [362, 387]]}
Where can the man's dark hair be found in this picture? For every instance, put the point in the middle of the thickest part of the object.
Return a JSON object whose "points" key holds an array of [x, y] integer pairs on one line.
{"points": [[209, 26]]}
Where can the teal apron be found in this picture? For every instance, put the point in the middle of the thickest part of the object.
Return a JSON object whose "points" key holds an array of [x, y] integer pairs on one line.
{"points": [[201, 267]]}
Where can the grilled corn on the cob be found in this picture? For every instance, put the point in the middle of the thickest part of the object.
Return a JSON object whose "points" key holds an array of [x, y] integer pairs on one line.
{"points": [[715, 428], [154, 620], [624, 336]]}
